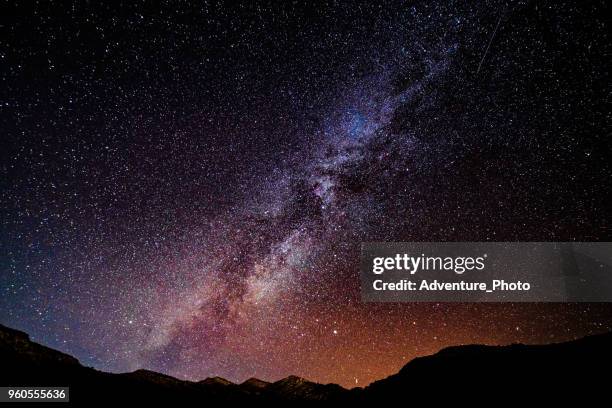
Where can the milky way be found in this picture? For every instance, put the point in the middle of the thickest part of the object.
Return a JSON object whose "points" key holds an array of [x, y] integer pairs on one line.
{"points": [[186, 189]]}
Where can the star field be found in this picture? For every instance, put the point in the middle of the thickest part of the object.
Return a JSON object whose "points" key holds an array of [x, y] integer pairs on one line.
{"points": [[185, 188]]}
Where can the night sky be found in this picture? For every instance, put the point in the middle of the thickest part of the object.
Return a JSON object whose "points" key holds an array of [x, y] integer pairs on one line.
{"points": [[185, 188]]}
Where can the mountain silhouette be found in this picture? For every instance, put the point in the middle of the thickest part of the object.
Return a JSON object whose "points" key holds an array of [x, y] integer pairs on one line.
{"points": [[457, 373]]}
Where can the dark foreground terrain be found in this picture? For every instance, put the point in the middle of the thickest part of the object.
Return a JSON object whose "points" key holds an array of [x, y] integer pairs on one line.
{"points": [[465, 373]]}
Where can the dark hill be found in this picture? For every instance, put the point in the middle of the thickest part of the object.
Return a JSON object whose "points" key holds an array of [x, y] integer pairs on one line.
{"points": [[508, 372], [458, 373]]}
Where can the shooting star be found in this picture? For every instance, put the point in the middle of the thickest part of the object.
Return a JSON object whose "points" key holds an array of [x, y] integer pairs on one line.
{"points": [[490, 41]]}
